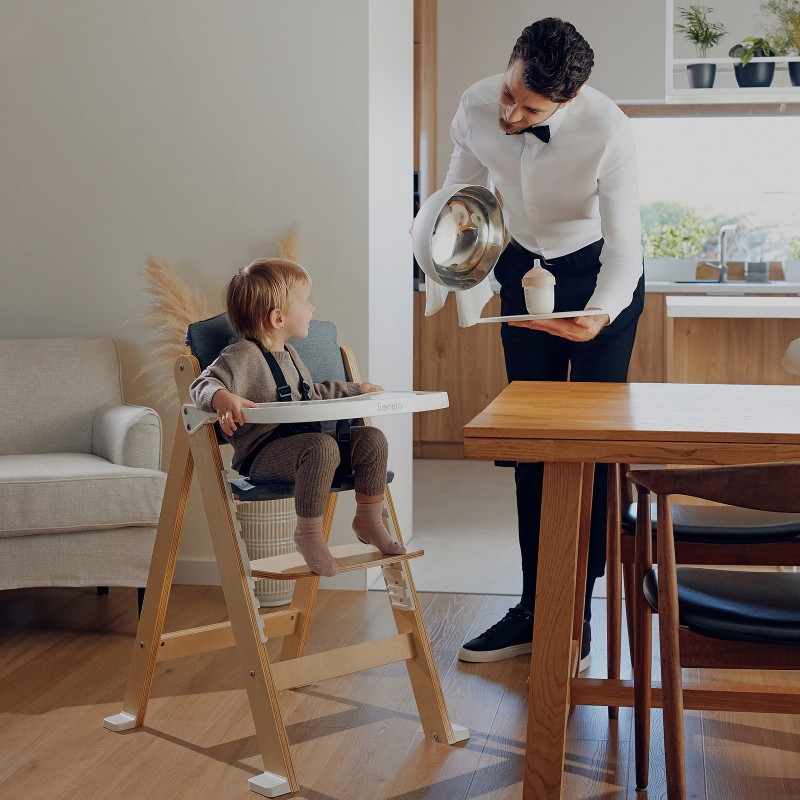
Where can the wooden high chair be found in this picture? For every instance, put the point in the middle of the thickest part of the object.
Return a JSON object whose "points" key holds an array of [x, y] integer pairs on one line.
{"points": [[196, 451]]}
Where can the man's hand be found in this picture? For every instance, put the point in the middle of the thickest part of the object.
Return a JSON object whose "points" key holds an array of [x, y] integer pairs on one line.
{"points": [[367, 388], [229, 410], [576, 329]]}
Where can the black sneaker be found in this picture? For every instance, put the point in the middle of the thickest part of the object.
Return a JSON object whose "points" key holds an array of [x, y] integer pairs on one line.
{"points": [[586, 646], [512, 636]]}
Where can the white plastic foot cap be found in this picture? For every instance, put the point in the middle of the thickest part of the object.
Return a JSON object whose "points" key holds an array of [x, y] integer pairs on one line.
{"points": [[120, 722], [460, 733], [268, 784]]}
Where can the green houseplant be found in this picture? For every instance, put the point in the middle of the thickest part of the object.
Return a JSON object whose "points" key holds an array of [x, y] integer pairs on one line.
{"points": [[758, 74], [785, 32], [703, 34]]}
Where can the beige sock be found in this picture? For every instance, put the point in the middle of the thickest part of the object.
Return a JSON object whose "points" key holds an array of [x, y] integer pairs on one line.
{"points": [[312, 546], [369, 528]]}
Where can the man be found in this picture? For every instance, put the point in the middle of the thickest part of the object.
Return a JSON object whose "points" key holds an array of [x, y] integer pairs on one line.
{"points": [[562, 156]]}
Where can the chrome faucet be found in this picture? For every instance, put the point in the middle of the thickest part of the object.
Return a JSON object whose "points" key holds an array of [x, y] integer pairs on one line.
{"points": [[723, 251]]}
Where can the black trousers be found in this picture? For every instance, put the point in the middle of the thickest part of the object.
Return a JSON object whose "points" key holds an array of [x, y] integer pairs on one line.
{"points": [[539, 356]]}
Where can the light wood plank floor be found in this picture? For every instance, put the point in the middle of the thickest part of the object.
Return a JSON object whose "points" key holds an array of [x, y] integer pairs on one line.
{"points": [[64, 657]]}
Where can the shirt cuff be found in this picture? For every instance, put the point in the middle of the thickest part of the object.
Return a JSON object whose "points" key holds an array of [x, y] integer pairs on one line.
{"points": [[608, 302]]}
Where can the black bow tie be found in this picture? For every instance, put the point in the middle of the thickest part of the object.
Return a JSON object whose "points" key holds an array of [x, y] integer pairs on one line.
{"points": [[540, 131]]}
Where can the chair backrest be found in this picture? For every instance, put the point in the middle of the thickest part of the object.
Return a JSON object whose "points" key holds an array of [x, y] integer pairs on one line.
{"points": [[319, 350], [52, 389], [767, 487]]}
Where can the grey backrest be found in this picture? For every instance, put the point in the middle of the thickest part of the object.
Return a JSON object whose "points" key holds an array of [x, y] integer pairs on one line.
{"points": [[319, 350]]}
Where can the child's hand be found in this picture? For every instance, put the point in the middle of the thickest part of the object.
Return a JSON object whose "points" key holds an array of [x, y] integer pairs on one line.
{"points": [[229, 410], [366, 388]]}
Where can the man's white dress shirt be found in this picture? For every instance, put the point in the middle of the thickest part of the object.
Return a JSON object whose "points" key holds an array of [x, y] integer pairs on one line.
{"points": [[557, 196]]}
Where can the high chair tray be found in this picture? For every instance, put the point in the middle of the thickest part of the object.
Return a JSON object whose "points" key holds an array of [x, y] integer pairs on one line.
{"points": [[589, 312], [374, 404]]}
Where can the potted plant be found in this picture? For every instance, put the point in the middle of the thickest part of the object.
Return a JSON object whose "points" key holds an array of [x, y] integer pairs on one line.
{"points": [[703, 34], [758, 74], [785, 33]]}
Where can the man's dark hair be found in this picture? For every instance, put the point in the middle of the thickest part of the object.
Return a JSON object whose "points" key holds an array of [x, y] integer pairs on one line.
{"points": [[557, 59]]}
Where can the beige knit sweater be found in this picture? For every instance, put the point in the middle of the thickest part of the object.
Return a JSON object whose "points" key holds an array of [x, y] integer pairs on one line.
{"points": [[242, 369]]}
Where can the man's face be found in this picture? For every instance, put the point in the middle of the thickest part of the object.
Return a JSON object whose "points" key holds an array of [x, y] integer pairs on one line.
{"points": [[519, 106]]}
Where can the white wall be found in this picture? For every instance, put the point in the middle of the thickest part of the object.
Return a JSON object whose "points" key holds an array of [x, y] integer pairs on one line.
{"points": [[200, 131], [628, 37]]}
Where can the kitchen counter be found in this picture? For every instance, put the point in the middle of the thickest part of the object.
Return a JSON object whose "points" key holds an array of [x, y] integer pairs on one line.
{"points": [[672, 287], [734, 307]]}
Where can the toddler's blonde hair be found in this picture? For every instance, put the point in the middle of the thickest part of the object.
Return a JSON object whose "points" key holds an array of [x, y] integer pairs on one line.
{"points": [[255, 290]]}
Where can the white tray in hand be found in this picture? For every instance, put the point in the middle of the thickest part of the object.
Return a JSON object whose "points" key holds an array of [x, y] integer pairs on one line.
{"points": [[589, 312], [374, 404]]}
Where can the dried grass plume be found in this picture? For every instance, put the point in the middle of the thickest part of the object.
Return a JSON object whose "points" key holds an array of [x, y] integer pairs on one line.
{"points": [[289, 244], [174, 306]]}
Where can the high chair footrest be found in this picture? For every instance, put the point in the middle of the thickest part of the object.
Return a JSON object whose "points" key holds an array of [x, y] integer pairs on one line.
{"points": [[348, 557]]}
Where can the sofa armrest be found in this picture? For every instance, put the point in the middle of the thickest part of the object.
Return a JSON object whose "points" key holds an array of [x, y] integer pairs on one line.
{"points": [[128, 435]]}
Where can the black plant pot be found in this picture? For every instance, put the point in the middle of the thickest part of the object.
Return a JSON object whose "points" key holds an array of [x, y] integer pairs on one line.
{"points": [[794, 72], [755, 74], [701, 76]]}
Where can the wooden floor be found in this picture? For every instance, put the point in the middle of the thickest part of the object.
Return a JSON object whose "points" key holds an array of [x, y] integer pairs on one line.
{"points": [[64, 657]]}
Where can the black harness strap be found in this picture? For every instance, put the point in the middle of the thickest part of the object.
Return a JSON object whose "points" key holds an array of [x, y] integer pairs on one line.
{"points": [[293, 428]]}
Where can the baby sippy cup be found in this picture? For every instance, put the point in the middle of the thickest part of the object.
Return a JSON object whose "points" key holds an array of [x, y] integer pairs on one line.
{"points": [[538, 285]]}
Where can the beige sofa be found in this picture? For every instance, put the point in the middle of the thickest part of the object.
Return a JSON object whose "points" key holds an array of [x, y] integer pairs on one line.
{"points": [[80, 484]]}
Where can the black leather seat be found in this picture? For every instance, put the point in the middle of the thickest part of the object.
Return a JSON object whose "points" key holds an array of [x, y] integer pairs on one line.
{"points": [[722, 524], [744, 607]]}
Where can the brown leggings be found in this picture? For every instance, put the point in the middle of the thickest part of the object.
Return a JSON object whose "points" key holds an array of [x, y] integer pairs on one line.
{"points": [[310, 460]]}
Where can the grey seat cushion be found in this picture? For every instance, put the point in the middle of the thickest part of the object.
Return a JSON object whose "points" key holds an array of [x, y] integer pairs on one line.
{"points": [[249, 492], [42, 493], [740, 606]]}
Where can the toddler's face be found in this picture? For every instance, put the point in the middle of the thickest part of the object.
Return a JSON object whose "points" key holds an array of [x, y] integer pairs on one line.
{"points": [[300, 311]]}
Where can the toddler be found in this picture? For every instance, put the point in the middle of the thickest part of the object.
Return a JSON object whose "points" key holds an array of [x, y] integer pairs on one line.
{"points": [[268, 304]]}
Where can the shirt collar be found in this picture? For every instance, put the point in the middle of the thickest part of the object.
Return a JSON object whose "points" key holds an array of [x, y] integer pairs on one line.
{"points": [[557, 118]]}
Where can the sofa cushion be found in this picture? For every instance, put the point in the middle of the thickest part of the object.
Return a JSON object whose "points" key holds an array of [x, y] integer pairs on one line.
{"points": [[42, 493]]}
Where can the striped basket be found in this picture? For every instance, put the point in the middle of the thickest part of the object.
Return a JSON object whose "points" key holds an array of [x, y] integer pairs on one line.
{"points": [[268, 530]]}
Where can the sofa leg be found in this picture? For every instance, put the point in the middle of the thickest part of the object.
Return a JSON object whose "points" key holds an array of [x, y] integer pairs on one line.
{"points": [[140, 598], [102, 590]]}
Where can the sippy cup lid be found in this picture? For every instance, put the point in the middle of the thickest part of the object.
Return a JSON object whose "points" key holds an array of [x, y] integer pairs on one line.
{"points": [[538, 277]]}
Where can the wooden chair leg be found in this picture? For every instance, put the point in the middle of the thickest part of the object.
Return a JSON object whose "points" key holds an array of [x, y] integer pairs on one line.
{"points": [[422, 670], [671, 677], [304, 597], [641, 645], [613, 581], [628, 581], [246, 622], [159, 583], [582, 566]]}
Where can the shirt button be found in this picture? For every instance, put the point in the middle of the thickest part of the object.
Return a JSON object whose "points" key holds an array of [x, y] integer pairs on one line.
{"points": [[546, 249]]}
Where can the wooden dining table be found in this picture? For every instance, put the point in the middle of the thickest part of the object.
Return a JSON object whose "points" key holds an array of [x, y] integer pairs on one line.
{"points": [[571, 427]]}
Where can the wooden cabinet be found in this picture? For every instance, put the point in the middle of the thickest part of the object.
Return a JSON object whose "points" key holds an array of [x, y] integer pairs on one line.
{"points": [[648, 361], [467, 363]]}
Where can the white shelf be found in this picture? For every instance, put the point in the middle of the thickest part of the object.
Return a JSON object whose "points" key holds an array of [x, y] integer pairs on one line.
{"points": [[781, 91]]}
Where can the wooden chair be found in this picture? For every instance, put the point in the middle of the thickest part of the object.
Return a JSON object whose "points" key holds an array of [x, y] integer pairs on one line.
{"points": [[197, 452], [712, 617], [695, 528]]}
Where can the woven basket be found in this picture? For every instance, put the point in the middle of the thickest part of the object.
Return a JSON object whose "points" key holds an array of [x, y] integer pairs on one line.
{"points": [[268, 530]]}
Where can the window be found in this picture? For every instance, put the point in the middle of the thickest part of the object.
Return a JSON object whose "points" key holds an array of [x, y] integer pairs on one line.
{"points": [[701, 172]]}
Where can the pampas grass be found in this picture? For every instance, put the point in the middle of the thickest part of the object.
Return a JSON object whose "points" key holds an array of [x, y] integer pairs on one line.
{"points": [[289, 244], [174, 306]]}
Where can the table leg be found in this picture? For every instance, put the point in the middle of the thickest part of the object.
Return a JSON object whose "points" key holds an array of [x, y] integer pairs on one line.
{"points": [[548, 700]]}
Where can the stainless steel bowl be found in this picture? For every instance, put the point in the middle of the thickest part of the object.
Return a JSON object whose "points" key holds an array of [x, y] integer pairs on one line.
{"points": [[458, 235]]}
